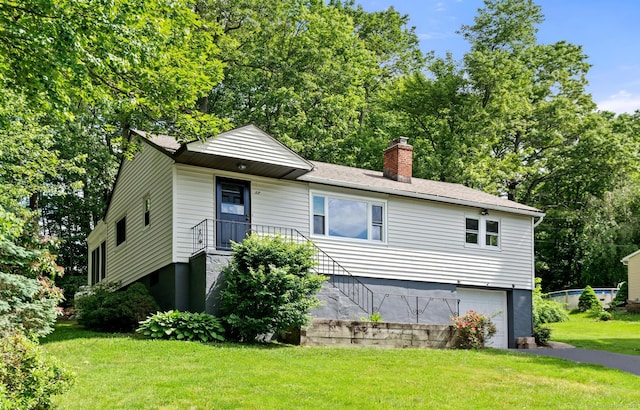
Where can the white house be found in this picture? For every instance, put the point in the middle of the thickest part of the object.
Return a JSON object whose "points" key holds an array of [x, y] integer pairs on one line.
{"points": [[632, 261], [412, 249]]}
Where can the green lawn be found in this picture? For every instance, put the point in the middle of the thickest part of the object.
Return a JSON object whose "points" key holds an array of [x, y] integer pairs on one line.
{"points": [[621, 335], [118, 372]]}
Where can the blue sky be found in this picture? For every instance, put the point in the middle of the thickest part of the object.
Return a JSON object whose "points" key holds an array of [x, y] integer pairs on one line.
{"points": [[608, 31]]}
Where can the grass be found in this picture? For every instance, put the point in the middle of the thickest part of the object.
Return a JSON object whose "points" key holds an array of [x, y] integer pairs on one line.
{"points": [[120, 371], [621, 335]]}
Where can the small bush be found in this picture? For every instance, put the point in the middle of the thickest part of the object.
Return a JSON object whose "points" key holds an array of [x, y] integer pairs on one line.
{"points": [[605, 316], [28, 378], [269, 287], [374, 317], [107, 310], [175, 325], [621, 296], [542, 334], [474, 330], [588, 300], [546, 311]]}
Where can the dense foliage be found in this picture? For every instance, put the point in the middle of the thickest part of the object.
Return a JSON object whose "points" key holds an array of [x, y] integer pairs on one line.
{"points": [[106, 309], [28, 378], [175, 325], [545, 310], [588, 300], [269, 287]]}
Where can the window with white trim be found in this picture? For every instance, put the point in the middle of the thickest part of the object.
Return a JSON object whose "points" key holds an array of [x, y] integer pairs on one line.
{"points": [[483, 232], [348, 217]]}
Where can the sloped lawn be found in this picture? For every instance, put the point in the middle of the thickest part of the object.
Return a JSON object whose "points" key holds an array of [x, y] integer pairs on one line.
{"points": [[124, 372], [621, 335]]}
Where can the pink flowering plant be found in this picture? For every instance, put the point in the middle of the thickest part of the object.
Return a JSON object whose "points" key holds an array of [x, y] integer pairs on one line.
{"points": [[473, 330]]}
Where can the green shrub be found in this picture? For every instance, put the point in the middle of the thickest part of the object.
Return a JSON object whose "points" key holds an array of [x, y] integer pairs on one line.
{"points": [[28, 378], [604, 316], [374, 317], [474, 330], [621, 296], [108, 310], [27, 305], [175, 325], [588, 300], [542, 334], [546, 311], [269, 287]]}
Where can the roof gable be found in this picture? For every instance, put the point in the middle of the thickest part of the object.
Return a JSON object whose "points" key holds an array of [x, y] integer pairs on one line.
{"points": [[251, 144]]}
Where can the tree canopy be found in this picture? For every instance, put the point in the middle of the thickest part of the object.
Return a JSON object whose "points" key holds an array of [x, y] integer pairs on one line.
{"points": [[329, 79]]}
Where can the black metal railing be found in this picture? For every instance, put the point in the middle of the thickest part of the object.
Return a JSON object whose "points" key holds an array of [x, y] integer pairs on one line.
{"points": [[218, 234]]}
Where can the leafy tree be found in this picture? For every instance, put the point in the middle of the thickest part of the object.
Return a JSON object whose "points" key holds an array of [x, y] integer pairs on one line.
{"points": [[310, 73], [268, 287]]}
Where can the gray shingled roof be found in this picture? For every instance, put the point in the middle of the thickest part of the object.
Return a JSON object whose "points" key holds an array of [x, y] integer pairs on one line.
{"points": [[338, 175], [342, 176], [166, 142]]}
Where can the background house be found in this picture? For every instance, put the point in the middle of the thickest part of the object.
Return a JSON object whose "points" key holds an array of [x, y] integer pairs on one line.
{"points": [[633, 280], [413, 249]]}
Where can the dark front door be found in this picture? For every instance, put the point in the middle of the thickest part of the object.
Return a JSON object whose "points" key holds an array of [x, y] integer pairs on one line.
{"points": [[232, 213]]}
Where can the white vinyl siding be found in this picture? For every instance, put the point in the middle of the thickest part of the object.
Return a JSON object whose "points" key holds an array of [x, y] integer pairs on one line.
{"points": [[251, 144], [273, 202], [426, 243], [149, 173]]}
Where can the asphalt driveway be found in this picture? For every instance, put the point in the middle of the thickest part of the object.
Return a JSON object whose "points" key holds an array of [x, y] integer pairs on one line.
{"points": [[624, 362]]}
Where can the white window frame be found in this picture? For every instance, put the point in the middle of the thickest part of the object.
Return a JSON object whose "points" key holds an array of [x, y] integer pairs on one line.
{"points": [[482, 231], [370, 203]]}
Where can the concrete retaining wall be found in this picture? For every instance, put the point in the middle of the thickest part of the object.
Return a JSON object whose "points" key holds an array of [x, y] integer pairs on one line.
{"points": [[326, 332]]}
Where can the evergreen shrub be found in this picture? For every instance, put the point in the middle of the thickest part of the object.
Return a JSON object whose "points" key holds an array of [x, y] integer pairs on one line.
{"points": [[621, 296], [588, 300], [106, 309], [542, 334]]}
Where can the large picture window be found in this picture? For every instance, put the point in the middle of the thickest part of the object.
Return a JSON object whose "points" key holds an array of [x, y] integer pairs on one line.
{"points": [[344, 217], [483, 232]]}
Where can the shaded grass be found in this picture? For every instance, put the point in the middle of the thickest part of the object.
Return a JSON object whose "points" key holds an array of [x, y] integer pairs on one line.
{"points": [[126, 372], [621, 335]]}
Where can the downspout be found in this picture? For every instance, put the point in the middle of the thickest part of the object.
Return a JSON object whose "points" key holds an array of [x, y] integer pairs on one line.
{"points": [[535, 225]]}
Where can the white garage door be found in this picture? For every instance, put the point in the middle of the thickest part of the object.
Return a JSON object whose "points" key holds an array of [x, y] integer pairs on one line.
{"points": [[491, 303]]}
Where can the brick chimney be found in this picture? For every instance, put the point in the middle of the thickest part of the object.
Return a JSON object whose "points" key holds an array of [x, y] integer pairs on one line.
{"points": [[397, 163]]}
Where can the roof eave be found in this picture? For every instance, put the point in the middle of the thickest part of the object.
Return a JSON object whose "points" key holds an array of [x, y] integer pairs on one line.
{"points": [[435, 198]]}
